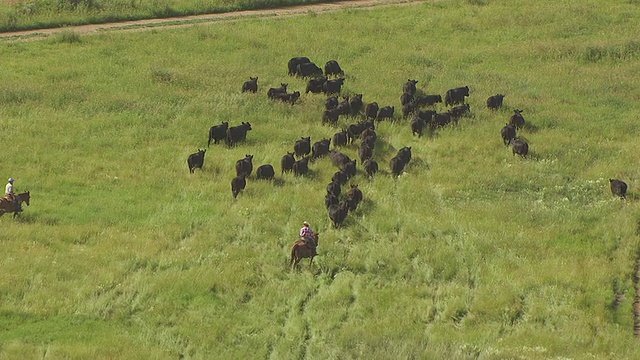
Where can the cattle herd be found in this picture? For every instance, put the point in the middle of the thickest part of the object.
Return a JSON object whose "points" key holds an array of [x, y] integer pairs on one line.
{"points": [[417, 106]]}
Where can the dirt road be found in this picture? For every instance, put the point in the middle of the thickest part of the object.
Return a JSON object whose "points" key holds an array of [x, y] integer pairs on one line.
{"points": [[173, 22]]}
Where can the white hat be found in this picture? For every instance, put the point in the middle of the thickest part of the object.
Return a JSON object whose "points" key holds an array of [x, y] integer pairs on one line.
{"points": [[305, 223]]}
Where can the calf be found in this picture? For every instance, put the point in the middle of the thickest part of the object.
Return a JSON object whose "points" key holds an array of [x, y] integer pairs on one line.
{"points": [[618, 188], [520, 147], [196, 160], [287, 162], [330, 116], [386, 113], [517, 119], [406, 98], [244, 167], [508, 133], [320, 148], [251, 85], [370, 167], [333, 68], [290, 98], [238, 184], [495, 102], [265, 172], [333, 86], [301, 167], [315, 85], [371, 110], [292, 65], [410, 87], [218, 132], [459, 111], [428, 100], [302, 147], [237, 133], [272, 92], [456, 96]]}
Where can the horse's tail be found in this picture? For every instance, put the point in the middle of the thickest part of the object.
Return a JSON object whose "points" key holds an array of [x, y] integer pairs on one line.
{"points": [[293, 254]]}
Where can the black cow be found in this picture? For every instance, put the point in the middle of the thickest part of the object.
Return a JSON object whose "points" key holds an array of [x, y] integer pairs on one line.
{"points": [[495, 102], [308, 69], [428, 100], [287, 97], [238, 184], [301, 167], [517, 119], [331, 116], [417, 125], [302, 147], [520, 147], [340, 138], [334, 188], [340, 177], [244, 167], [618, 188], [426, 115], [406, 98], [338, 159], [196, 160], [331, 199], [218, 132], [294, 62], [331, 103], [315, 85], [349, 168], [337, 213], [354, 130], [456, 96], [251, 85], [354, 197], [272, 92], [409, 109], [369, 140], [333, 68], [237, 133], [320, 148], [405, 154], [265, 172], [370, 167], [397, 165], [365, 152], [386, 113], [508, 133], [287, 162], [333, 86], [356, 104], [410, 87], [371, 110], [440, 120], [344, 107], [459, 111]]}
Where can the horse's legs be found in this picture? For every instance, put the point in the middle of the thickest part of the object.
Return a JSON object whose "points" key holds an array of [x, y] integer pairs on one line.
{"points": [[310, 261]]}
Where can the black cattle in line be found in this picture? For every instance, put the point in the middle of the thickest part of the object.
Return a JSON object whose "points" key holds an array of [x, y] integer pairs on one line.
{"points": [[237, 133], [365, 152], [218, 132], [265, 172], [334, 188], [340, 138], [370, 167], [244, 167], [331, 199], [333, 68], [618, 188], [417, 125], [196, 160], [292, 65], [331, 116], [353, 197], [308, 69], [356, 104], [354, 130], [459, 111], [409, 109], [251, 85], [338, 213], [410, 87], [405, 154], [440, 120], [495, 102], [427, 100], [302, 147], [406, 98], [320, 148], [508, 133], [349, 168], [340, 177], [301, 167], [333, 86], [331, 103], [386, 113], [517, 119], [238, 184], [456, 96], [371, 110], [290, 98], [287, 162], [338, 159], [315, 86], [397, 165], [520, 147], [272, 92]]}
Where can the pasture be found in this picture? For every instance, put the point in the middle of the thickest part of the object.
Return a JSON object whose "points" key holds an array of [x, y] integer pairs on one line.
{"points": [[471, 253]]}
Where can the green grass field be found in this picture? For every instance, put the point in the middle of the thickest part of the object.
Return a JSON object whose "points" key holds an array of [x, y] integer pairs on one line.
{"points": [[472, 253]]}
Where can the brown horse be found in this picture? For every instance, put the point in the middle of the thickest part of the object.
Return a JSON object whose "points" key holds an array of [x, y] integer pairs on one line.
{"points": [[301, 250], [7, 206]]}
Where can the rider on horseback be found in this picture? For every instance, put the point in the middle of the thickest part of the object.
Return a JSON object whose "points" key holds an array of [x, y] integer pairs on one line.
{"points": [[10, 195], [308, 236]]}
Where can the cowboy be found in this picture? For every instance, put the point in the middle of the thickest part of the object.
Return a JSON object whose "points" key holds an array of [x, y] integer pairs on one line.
{"points": [[10, 195], [308, 236]]}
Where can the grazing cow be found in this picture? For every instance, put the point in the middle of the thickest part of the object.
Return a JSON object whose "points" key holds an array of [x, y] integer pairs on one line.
{"points": [[340, 138], [410, 87], [272, 92], [349, 168], [458, 111], [356, 104], [218, 132], [520, 147], [354, 197], [331, 116], [337, 213], [417, 125], [302, 147], [428, 100], [315, 85], [508, 133], [301, 167], [294, 62], [397, 166], [456, 96], [406, 98], [244, 167], [251, 85], [331, 103], [330, 199], [340, 177], [371, 110], [405, 154], [334, 188], [386, 113], [618, 188], [370, 167], [308, 69], [338, 159], [286, 97], [495, 102], [320, 148], [196, 160], [517, 119], [440, 120], [237, 133], [265, 172], [332, 68], [287, 162], [238, 184], [365, 152], [333, 86]]}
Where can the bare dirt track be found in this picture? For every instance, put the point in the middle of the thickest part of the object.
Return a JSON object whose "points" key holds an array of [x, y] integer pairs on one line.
{"points": [[184, 21]]}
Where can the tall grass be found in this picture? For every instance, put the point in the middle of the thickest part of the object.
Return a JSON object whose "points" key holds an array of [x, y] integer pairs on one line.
{"points": [[471, 253]]}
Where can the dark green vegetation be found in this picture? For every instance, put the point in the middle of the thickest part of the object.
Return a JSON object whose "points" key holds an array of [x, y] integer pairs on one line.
{"points": [[35, 14], [473, 253]]}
